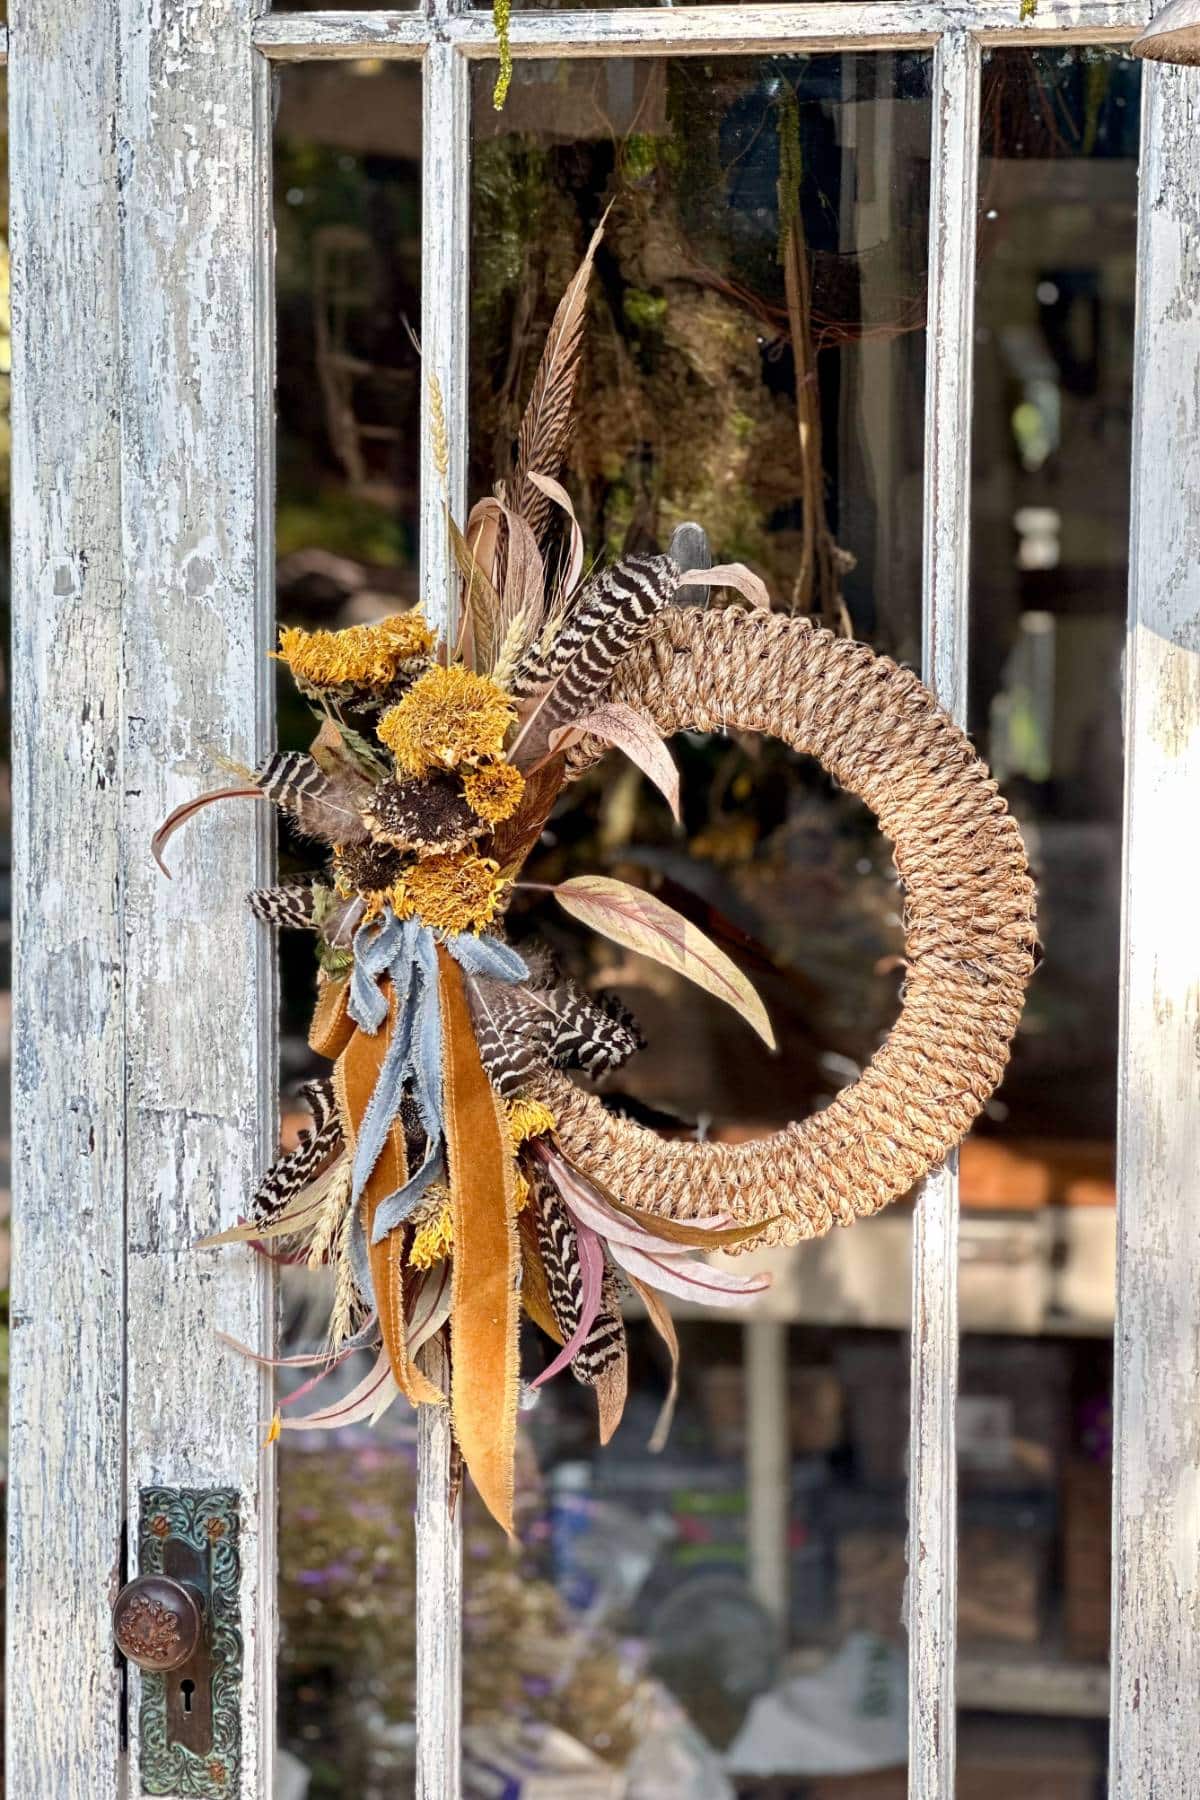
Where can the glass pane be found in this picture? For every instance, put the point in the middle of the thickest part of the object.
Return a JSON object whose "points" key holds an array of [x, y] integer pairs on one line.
{"points": [[347, 214], [1050, 516], [685, 1620]]}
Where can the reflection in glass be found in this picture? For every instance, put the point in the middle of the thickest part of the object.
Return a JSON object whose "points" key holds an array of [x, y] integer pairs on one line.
{"points": [[725, 1594], [347, 214], [1050, 515]]}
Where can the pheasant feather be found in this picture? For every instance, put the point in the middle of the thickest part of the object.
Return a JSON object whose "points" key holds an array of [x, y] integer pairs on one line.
{"points": [[323, 806], [290, 906], [612, 614], [295, 1170]]}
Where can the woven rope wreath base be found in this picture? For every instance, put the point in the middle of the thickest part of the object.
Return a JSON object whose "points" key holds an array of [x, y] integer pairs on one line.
{"points": [[970, 934]]}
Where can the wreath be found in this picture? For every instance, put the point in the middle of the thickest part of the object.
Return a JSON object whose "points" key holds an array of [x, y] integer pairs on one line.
{"points": [[458, 1172]]}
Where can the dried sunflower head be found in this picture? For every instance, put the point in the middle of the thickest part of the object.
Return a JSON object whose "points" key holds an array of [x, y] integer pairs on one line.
{"points": [[421, 815], [494, 790], [447, 718], [460, 892], [369, 657], [366, 868]]}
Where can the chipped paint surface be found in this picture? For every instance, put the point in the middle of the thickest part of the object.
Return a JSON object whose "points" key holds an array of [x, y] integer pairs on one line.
{"points": [[67, 1344], [1155, 1745], [1155, 1678], [196, 523]]}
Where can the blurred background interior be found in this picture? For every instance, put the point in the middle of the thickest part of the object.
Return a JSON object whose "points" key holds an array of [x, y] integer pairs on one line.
{"points": [[727, 1618]]}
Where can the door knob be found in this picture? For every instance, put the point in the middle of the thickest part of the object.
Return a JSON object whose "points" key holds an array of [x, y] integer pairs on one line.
{"points": [[158, 1622]]}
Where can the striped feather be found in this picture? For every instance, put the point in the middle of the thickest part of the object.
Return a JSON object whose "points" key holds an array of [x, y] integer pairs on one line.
{"points": [[323, 806], [605, 1342], [595, 1035], [614, 612], [513, 1030], [289, 906], [290, 1173], [560, 1257]]}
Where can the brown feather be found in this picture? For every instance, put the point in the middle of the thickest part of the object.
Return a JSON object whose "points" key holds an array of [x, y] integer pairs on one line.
{"points": [[546, 425]]}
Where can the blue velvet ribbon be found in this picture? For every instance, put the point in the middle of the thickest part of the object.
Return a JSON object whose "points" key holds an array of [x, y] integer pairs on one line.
{"points": [[405, 950]]}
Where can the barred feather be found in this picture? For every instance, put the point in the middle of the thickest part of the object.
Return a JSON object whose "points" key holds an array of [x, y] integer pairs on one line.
{"points": [[514, 1028], [522, 1031], [289, 906], [560, 1258], [595, 1035], [294, 1171], [613, 613], [323, 806], [605, 1342]]}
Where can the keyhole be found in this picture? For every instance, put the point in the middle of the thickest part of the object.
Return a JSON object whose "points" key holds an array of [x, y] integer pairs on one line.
{"points": [[187, 1689]]}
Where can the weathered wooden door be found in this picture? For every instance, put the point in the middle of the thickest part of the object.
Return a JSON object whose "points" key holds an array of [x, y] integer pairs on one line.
{"points": [[143, 494]]}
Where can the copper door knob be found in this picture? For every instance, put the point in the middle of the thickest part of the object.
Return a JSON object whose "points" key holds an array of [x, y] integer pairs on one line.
{"points": [[157, 1622]]}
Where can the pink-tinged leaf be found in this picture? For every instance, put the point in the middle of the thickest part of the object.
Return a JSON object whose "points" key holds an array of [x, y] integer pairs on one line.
{"points": [[554, 490], [631, 731], [591, 1269], [587, 1206], [182, 814], [312, 1360], [737, 576], [363, 1402], [659, 1315], [696, 1281], [431, 1308], [638, 921]]}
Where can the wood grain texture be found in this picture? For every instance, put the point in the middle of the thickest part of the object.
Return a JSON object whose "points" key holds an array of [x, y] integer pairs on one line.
{"points": [[68, 1333], [697, 30], [933, 1473], [445, 258], [194, 151], [439, 1598], [1155, 1741]]}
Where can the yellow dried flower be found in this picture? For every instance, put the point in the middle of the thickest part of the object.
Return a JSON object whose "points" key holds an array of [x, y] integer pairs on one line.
{"points": [[521, 1190], [493, 790], [434, 1240], [361, 656], [528, 1119], [448, 716], [453, 893]]}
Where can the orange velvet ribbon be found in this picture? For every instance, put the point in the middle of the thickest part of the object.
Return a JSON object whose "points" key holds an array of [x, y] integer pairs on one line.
{"points": [[354, 1081], [484, 1304]]}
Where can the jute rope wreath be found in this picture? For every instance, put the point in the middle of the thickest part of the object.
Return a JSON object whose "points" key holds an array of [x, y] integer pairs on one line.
{"points": [[455, 1175], [970, 935]]}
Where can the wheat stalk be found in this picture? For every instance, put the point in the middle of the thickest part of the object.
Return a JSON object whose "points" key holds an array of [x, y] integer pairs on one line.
{"points": [[332, 1214]]}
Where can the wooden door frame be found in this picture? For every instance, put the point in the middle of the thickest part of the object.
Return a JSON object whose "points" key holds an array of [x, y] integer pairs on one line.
{"points": [[144, 1056]]}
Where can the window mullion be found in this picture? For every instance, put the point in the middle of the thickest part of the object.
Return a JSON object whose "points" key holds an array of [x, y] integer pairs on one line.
{"points": [[933, 1485], [1156, 1567], [445, 164]]}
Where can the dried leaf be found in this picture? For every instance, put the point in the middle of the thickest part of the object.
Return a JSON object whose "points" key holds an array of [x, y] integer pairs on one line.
{"points": [[480, 601], [545, 429], [182, 814], [515, 837], [573, 569], [632, 732], [689, 1279], [366, 1401], [635, 919], [736, 576], [659, 1315]]}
